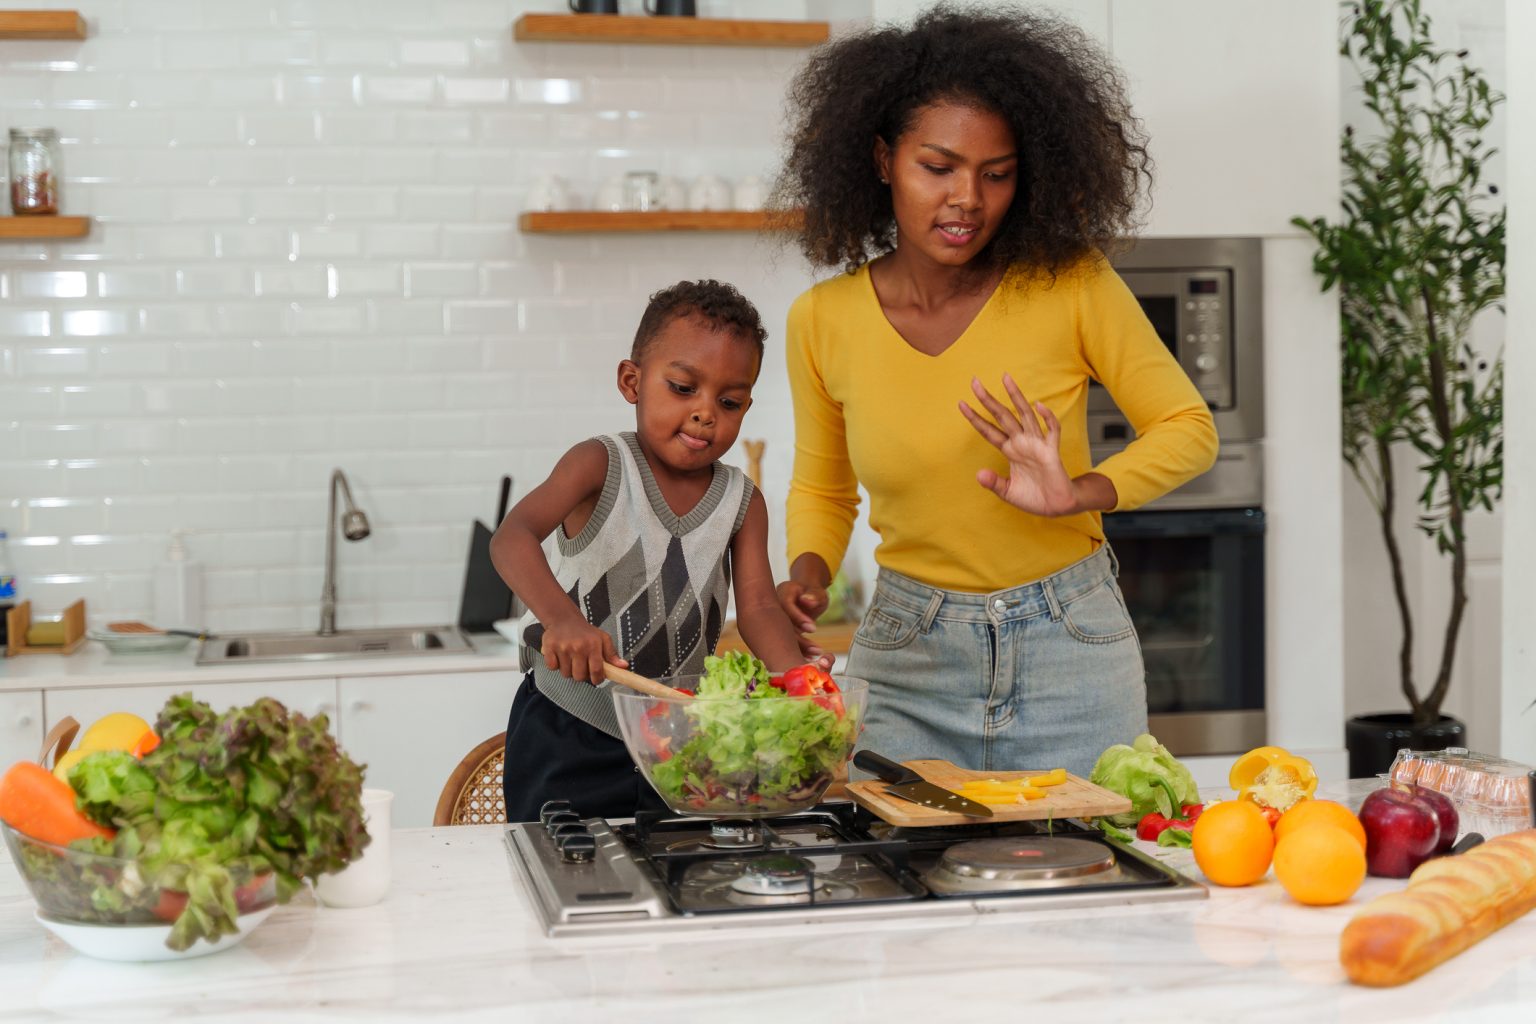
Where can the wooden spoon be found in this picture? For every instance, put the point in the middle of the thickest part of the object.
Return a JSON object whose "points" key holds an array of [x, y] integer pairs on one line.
{"points": [[640, 684]]}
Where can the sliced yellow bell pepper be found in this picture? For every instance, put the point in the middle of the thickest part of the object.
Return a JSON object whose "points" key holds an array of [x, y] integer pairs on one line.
{"points": [[1054, 777], [1273, 777]]}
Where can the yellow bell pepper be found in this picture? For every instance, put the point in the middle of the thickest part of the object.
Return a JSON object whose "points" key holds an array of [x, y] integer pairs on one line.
{"points": [[1273, 777], [1054, 777]]}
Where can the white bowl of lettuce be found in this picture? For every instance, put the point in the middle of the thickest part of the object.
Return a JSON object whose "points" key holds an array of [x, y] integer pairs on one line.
{"points": [[743, 743]]}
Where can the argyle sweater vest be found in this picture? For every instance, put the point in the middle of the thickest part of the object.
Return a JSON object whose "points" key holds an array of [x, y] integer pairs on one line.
{"points": [[657, 582]]}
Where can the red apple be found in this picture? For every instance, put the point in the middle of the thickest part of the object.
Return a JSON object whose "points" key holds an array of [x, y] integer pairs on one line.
{"points": [[1445, 810], [1401, 832]]}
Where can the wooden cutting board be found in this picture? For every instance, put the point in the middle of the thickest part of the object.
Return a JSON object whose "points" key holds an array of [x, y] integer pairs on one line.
{"points": [[1075, 798]]}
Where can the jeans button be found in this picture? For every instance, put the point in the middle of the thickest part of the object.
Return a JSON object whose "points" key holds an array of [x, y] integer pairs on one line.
{"points": [[999, 606]]}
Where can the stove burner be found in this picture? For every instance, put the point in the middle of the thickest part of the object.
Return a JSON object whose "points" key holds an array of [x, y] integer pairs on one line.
{"points": [[733, 834], [777, 874], [990, 865]]}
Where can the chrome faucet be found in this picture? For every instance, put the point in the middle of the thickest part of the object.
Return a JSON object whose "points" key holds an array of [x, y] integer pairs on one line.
{"points": [[354, 526]]}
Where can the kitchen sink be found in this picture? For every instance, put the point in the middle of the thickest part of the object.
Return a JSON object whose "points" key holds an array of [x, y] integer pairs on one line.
{"points": [[345, 643]]}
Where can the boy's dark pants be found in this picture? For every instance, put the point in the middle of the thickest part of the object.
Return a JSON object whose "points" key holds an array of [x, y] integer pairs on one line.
{"points": [[553, 755]]}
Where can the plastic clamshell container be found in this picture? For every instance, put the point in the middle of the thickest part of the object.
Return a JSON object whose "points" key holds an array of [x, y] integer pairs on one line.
{"points": [[1492, 795]]}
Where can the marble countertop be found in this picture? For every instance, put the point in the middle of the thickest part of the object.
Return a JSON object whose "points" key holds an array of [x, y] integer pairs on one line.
{"points": [[93, 665], [456, 940]]}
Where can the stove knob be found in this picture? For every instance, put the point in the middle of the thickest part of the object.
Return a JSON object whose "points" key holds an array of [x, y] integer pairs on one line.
{"points": [[568, 828], [576, 849], [558, 818], [552, 807]]}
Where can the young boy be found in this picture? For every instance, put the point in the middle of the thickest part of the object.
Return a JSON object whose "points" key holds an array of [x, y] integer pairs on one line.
{"points": [[652, 529]]}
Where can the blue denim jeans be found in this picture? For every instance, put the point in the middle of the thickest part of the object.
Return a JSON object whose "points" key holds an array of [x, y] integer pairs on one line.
{"points": [[1043, 675]]}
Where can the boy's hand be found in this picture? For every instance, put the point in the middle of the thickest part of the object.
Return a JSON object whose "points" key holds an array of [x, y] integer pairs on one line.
{"points": [[577, 650]]}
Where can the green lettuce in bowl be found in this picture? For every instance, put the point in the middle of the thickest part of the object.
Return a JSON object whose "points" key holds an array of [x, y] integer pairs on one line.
{"points": [[229, 814]]}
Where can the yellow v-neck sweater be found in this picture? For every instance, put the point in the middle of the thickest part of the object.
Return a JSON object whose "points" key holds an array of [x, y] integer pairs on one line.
{"points": [[870, 409]]}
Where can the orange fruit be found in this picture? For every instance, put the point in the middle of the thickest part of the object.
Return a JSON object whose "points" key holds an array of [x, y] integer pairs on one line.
{"points": [[1310, 812], [1233, 843], [1320, 864]]}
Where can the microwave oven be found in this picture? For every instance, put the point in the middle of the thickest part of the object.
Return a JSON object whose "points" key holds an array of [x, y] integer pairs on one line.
{"points": [[1204, 298]]}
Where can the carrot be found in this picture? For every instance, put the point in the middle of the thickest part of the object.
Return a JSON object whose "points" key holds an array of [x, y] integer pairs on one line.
{"points": [[149, 741], [36, 804]]}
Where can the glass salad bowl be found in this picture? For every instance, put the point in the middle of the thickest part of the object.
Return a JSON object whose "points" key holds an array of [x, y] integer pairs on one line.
{"points": [[741, 757], [105, 906]]}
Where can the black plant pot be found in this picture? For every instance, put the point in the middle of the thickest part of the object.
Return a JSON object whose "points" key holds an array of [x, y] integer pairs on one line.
{"points": [[1374, 740]]}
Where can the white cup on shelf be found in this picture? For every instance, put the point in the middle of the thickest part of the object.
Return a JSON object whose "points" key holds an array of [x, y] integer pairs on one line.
{"points": [[546, 195], [750, 193], [674, 194], [709, 193], [365, 881], [610, 197]]}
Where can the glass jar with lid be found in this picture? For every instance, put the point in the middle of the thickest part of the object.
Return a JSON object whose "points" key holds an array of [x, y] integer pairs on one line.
{"points": [[33, 168]]}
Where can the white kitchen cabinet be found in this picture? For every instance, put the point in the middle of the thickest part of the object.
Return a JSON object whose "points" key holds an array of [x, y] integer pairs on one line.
{"points": [[1241, 101], [21, 726], [412, 731], [310, 696]]}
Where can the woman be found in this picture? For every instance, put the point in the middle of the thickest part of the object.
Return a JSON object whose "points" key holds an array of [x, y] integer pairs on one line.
{"points": [[968, 174]]}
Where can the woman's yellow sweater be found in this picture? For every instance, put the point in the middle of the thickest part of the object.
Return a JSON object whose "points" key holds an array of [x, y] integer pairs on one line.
{"points": [[870, 409]]}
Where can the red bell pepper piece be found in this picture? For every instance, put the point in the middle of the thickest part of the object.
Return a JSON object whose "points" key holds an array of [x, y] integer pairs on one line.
{"points": [[813, 681], [660, 745], [1154, 824]]}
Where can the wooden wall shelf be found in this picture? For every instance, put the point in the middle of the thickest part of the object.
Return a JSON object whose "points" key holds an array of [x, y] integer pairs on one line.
{"points": [[12, 228], [41, 25], [623, 28], [597, 221]]}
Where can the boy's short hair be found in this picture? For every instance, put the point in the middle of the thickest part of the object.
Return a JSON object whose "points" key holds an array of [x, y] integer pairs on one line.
{"points": [[719, 304]]}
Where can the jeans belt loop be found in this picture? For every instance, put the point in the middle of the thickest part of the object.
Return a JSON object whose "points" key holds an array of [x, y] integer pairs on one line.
{"points": [[935, 600], [1048, 587], [1114, 563]]}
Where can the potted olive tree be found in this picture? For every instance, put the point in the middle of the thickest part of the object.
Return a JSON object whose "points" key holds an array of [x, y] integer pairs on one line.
{"points": [[1417, 254]]}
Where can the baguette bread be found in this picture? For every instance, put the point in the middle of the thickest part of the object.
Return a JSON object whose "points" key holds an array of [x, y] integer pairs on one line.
{"points": [[1450, 903]]}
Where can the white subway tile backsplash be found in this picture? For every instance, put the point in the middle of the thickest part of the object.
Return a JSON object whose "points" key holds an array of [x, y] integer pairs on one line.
{"points": [[96, 323], [63, 516], [392, 89], [141, 436], [292, 279], [350, 50], [362, 203], [24, 323], [53, 362], [291, 49], [134, 359], [347, 280], [65, 284], [102, 476], [97, 400], [182, 320], [323, 243], [40, 402], [133, 283]]}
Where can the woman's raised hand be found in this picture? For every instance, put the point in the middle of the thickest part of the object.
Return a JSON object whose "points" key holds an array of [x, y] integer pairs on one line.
{"points": [[1037, 482]]}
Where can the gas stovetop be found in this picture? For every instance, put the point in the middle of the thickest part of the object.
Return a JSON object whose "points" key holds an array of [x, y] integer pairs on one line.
{"points": [[662, 872]]}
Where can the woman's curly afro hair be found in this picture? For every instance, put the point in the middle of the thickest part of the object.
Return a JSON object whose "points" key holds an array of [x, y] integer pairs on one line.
{"points": [[1082, 155]]}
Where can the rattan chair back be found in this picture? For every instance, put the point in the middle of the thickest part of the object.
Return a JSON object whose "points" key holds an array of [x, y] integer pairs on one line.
{"points": [[472, 794]]}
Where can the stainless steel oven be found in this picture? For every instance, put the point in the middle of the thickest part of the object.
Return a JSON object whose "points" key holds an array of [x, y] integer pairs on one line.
{"points": [[1192, 562]]}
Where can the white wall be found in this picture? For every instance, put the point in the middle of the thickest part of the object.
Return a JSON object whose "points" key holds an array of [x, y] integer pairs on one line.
{"points": [[1518, 721], [305, 256]]}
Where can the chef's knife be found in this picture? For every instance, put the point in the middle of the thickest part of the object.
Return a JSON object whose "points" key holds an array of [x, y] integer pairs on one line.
{"points": [[908, 785]]}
